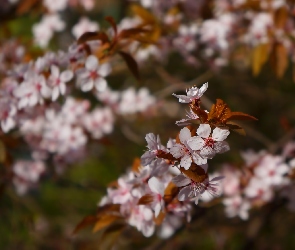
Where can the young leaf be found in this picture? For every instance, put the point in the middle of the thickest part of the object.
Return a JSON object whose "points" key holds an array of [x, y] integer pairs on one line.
{"points": [[195, 172], [113, 23], [87, 221], [159, 220], [131, 63], [26, 6], [170, 193], [281, 59], [146, 16], [2, 152], [93, 36], [260, 56], [146, 199], [104, 221], [136, 165], [241, 116]]}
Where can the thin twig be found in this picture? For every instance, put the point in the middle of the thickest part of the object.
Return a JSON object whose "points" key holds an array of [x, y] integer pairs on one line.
{"points": [[176, 84], [280, 143]]}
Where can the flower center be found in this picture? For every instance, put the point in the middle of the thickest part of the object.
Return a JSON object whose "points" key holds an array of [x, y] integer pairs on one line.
{"points": [[93, 74], [209, 142]]}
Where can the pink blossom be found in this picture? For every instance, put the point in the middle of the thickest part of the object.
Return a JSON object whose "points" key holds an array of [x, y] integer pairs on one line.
{"points": [[187, 38], [193, 190], [32, 91], [154, 145], [191, 116], [7, 114], [158, 188], [258, 189], [236, 206], [44, 30], [58, 81], [84, 25], [99, 122], [122, 194], [208, 145], [55, 5], [26, 173], [142, 218], [184, 151], [93, 75], [272, 170], [193, 93], [132, 102]]}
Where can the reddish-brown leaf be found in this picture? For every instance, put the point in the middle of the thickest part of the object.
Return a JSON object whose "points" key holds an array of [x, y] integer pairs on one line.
{"points": [[146, 199], [195, 172], [280, 17], [145, 15], [104, 221], [109, 208], [259, 57], [171, 192], [281, 59], [130, 33], [202, 114], [113, 23], [219, 113], [87, 221], [26, 5], [2, 152], [159, 220], [164, 155], [241, 116], [93, 36], [131, 63], [136, 165]]}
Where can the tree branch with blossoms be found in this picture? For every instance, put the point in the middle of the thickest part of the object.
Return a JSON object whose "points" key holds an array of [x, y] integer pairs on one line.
{"points": [[159, 189]]}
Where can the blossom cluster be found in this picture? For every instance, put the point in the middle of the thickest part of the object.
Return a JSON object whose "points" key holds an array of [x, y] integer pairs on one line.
{"points": [[257, 182], [230, 30], [38, 100], [52, 20], [160, 190], [217, 31]]}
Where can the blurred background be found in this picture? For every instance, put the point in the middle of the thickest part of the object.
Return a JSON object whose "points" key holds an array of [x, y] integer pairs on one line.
{"points": [[45, 217]]}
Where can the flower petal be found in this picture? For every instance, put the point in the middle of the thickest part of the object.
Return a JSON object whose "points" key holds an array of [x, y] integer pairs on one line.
{"points": [[196, 143], [220, 134], [204, 130], [184, 194], [177, 150], [87, 86], [157, 209], [100, 84], [183, 98], [62, 88], [104, 70], [221, 147], [184, 135], [151, 140], [186, 161], [181, 180], [66, 76], [199, 160], [55, 93], [207, 152], [54, 71], [203, 89], [156, 186], [91, 63]]}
